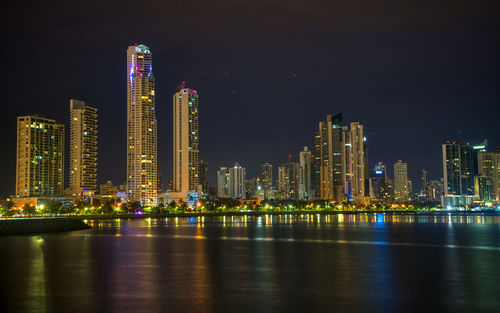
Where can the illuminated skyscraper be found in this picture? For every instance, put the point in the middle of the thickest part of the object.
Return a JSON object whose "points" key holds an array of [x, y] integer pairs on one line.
{"points": [[353, 157], [83, 148], [40, 157], [288, 179], [401, 189], [142, 162], [458, 168], [237, 176], [267, 180], [328, 167], [305, 176], [489, 166], [223, 183], [186, 153]]}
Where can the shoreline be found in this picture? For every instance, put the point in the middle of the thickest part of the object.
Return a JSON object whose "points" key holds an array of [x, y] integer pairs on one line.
{"points": [[38, 225], [217, 214]]}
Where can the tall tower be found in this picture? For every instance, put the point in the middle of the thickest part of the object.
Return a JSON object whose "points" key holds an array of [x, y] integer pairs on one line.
{"points": [[305, 174], [288, 179], [358, 161], [489, 166], [401, 189], [203, 175], [83, 148], [142, 162], [40, 157], [237, 181], [458, 168], [267, 180], [328, 167], [186, 153]]}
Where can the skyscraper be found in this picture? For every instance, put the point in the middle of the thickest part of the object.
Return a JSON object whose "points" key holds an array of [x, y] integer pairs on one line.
{"points": [[237, 181], [83, 148], [328, 165], [203, 175], [401, 191], [305, 163], [458, 169], [358, 162], [489, 166], [40, 157], [186, 153], [142, 161], [267, 180], [223, 183], [288, 179]]}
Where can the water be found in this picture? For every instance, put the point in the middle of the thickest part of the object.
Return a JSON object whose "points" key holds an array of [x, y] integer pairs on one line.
{"points": [[303, 263]]}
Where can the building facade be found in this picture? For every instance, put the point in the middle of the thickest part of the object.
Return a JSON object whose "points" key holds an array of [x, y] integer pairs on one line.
{"points": [[458, 168], [40, 157], [237, 176], [266, 180], [223, 183], [83, 148], [489, 166], [305, 175], [142, 158], [288, 179], [328, 159], [186, 140], [401, 188]]}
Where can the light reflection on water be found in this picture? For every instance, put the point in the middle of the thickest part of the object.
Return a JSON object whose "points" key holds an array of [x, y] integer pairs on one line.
{"points": [[266, 263]]}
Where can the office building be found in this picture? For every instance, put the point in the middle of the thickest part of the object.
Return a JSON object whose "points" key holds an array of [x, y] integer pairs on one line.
{"points": [[186, 140], [142, 161], [83, 148], [489, 166], [458, 168], [266, 180], [223, 183], [237, 182], [328, 159], [288, 179], [401, 188], [305, 175], [40, 157]]}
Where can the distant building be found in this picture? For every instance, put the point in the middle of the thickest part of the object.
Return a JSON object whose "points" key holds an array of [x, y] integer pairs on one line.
{"points": [[108, 189], [40, 157], [482, 188], [203, 175], [353, 157], [266, 180], [288, 179], [237, 182], [251, 188], [223, 183], [142, 155], [306, 175], [83, 148], [458, 168], [489, 166], [380, 184], [328, 159], [401, 188], [186, 140]]}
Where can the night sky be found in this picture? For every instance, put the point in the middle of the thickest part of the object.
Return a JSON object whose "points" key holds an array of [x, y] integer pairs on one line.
{"points": [[415, 73]]}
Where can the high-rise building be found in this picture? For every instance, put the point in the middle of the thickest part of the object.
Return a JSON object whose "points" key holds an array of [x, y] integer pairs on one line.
{"points": [[223, 183], [203, 175], [381, 186], [401, 189], [328, 165], [142, 161], [358, 162], [288, 179], [489, 166], [251, 188], [482, 188], [237, 181], [40, 157], [267, 180], [83, 148], [305, 177], [186, 140], [458, 169]]}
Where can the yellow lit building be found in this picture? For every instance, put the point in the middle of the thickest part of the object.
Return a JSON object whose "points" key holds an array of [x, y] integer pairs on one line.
{"points": [[40, 157]]}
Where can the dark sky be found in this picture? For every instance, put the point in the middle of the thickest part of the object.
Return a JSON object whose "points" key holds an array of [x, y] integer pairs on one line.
{"points": [[414, 72]]}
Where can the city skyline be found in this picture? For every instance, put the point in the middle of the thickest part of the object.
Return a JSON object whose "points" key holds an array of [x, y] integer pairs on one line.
{"points": [[282, 101]]}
